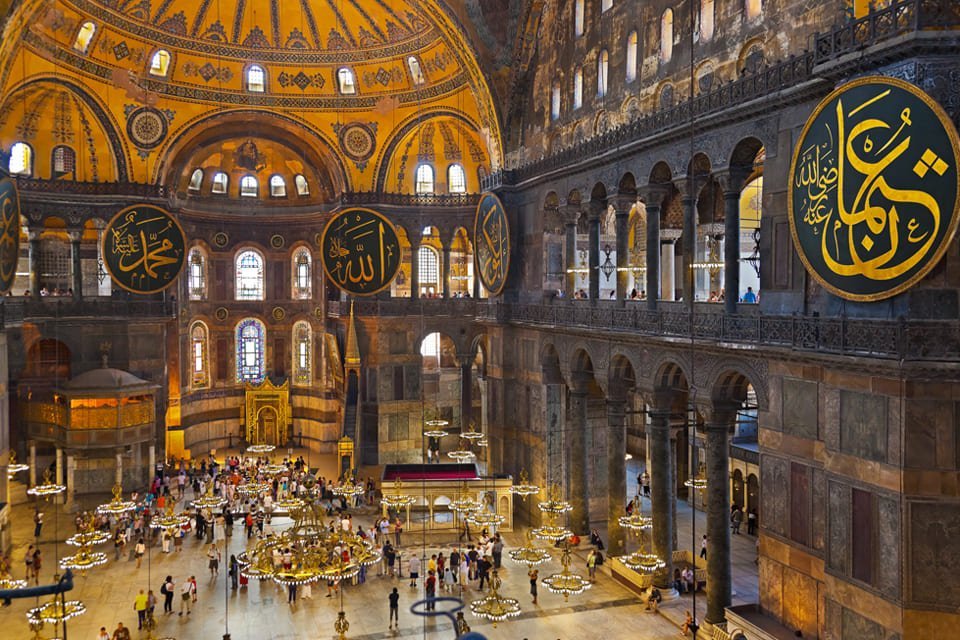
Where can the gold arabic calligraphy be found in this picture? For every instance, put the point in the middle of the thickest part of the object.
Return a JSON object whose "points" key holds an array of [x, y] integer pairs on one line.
{"points": [[145, 249], [865, 235], [362, 252], [9, 234], [494, 243]]}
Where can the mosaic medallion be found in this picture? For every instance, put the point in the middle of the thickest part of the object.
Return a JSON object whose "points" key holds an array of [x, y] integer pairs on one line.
{"points": [[279, 314], [9, 232], [146, 127], [277, 241], [358, 141], [221, 239], [221, 314], [143, 249]]}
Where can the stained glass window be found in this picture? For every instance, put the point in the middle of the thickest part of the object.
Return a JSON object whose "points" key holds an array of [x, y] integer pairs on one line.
{"points": [[198, 355], [249, 276], [302, 342], [301, 274], [250, 348], [197, 274]]}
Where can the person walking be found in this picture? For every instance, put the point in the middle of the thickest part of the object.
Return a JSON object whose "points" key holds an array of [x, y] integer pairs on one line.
{"points": [[431, 591], [213, 560], [103, 635], [37, 565], [151, 604], [533, 574], [394, 599], [139, 550], [414, 567], [735, 519], [140, 606], [752, 522], [167, 592], [234, 571], [37, 523], [28, 563], [497, 550], [703, 546], [121, 632], [185, 590], [592, 565], [165, 539]]}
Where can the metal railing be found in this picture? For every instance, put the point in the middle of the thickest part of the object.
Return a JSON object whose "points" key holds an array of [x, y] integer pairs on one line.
{"points": [[410, 200], [14, 310]]}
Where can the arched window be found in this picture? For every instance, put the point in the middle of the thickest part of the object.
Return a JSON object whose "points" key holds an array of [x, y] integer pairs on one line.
{"points": [[666, 36], [160, 63], [84, 36], [198, 355], [249, 187], [706, 20], [21, 159], [302, 274], [416, 72], [605, 5], [303, 189], [197, 274], [753, 8], [555, 100], [256, 79], [424, 179], [578, 88], [64, 160], [196, 180], [578, 18], [346, 82], [220, 181], [278, 187], [456, 179], [249, 277], [250, 347], [603, 65], [632, 40], [302, 353], [429, 263]]}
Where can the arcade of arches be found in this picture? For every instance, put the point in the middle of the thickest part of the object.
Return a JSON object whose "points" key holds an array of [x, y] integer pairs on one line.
{"points": [[658, 333]]}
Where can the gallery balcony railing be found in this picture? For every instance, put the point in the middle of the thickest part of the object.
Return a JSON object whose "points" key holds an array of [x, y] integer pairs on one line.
{"points": [[909, 340], [71, 187], [900, 17], [361, 198], [14, 310]]}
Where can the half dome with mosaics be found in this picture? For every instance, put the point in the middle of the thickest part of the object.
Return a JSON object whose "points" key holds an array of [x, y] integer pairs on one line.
{"points": [[129, 84]]}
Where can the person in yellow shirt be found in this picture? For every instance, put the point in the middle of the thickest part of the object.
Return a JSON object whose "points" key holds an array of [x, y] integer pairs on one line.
{"points": [[140, 606]]}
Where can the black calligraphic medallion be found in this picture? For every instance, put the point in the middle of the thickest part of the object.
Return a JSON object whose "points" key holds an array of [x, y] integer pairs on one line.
{"points": [[874, 186], [9, 232], [491, 234], [143, 249], [361, 251]]}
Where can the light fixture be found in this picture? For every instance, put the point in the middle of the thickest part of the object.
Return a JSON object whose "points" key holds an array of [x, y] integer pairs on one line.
{"points": [[169, 521], [397, 499], [566, 582], [607, 268], [524, 488], [117, 504], [47, 488], [348, 488], [528, 554], [56, 611], [495, 607], [13, 467], [461, 455], [87, 537], [464, 503], [208, 500], [257, 449]]}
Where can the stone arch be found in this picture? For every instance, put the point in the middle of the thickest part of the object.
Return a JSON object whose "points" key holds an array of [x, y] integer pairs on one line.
{"points": [[660, 173], [627, 185], [48, 358], [752, 56], [746, 153], [731, 383], [630, 110], [551, 372], [622, 378]]}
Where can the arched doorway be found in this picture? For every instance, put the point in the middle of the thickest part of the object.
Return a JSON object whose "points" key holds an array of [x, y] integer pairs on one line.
{"points": [[737, 492], [267, 427]]}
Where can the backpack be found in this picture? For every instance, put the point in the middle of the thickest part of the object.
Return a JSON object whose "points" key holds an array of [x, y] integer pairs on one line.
{"points": [[163, 589], [599, 560]]}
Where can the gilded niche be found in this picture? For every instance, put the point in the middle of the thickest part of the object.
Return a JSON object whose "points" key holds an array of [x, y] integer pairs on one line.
{"points": [[874, 188]]}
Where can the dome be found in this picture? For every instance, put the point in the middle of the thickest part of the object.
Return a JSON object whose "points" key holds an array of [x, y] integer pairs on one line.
{"points": [[106, 379], [340, 96]]}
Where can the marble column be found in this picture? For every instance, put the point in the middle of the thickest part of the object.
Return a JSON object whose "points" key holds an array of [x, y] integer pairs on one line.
{"points": [[118, 472], [576, 451], [59, 472], [688, 201], [33, 464], [415, 268], [466, 391], [75, 265], [653, 253], [623, 251], [731, 249], [719, 577], [152, 459], [668, 263], [570, 215], [661, 463], [33, 258], [616, 474], [445, 272], [71, 488], [593, 258]]}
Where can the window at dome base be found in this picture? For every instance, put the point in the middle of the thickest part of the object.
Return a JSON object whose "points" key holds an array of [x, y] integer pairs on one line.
{"points": [[302, 340], [196, 180], [302, 281], [249, 276], [278, 187], [250, 342], [346, 82], [21, 159], [303, 189], [457, 179], [220, 181], [416, 73], [256, 79], [160, 63], [249, 188], [424, 179], [84, 36]]}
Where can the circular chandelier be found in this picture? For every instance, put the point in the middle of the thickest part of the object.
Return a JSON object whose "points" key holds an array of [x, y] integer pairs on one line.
{"points": [[524, 488], [7, 581], [48, 488], [55, 611], [251, 489], [472, 435], [552, 531], [553, 504], [274, 469], [169, 520], [529, 554], [464, 503], [644, 562], [636, 522], [566, 582], [484, 519], [398, 499], [14, 467], [257, 449], [348, 488], [698, 483], [208, 500], [495, 607], [85, 558], [461, 455], [117, 504], [288, 504], [435, 428]]}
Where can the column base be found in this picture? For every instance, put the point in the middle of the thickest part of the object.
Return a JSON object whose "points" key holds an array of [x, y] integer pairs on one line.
{"points": [[668, 594]]}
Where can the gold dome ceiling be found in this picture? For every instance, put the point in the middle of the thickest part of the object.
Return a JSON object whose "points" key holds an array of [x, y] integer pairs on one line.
{"points": [[145, 124]]}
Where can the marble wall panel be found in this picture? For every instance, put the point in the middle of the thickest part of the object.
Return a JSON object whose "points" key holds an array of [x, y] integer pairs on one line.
{"points": [[800, 602], [771, 587], [775, 497], [888, 540], [830, 420], [934, 557], [838, 522], [863, 425], [800, 408], [819, 512], [855, 626]]}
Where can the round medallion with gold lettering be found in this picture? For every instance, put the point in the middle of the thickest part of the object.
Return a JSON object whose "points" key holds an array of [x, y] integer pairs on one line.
{"points": [[873, 194], [361, 251], [491, 233], [143, 249], [9, 232]]}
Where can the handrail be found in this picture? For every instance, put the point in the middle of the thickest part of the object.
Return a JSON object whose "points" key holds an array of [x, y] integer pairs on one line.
{"points": [[14, 310]]}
